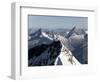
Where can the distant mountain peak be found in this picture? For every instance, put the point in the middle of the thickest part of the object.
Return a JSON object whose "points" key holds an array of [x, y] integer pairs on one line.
{"points": [[37, 33], [39, 37], [75, 31], [74, 28]]}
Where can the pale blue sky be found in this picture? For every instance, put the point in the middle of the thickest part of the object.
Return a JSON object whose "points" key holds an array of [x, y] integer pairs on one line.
{"points": [[54, 22]]}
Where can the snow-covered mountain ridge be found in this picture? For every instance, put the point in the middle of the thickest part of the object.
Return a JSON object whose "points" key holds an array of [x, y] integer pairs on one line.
{"points": [[50, 48]]}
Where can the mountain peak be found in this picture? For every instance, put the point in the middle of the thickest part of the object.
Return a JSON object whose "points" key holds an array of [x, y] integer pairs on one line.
{"points": [[75, 31], [39, 31], [74, 28], [71, 31]]}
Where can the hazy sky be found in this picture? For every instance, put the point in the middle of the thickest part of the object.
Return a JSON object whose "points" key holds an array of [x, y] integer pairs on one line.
{"points": [[54, 22]]}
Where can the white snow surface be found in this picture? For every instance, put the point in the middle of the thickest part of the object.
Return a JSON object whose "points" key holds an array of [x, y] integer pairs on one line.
{"points": [[45, 35], [66, 57], [43, 38]]}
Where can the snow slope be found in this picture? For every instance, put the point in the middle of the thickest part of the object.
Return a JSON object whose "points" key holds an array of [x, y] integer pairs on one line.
{"points": [[66, 57], [38, 38]]}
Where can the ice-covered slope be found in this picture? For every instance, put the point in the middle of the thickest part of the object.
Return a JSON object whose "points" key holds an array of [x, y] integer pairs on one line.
{"points": [[76, 37], [62, 39], [66, 58], [76, 40], [65, 42], [38, 38]]}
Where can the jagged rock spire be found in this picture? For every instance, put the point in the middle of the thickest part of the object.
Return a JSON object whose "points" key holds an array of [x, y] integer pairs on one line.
{"points": [[37, 33], [76, 31], [71, 31]]}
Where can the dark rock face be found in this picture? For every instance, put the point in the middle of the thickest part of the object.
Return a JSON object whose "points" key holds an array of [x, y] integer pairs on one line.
{"points": [[44, 54], [81, 51], [81, 54], [36, 51], [59, 62]]}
